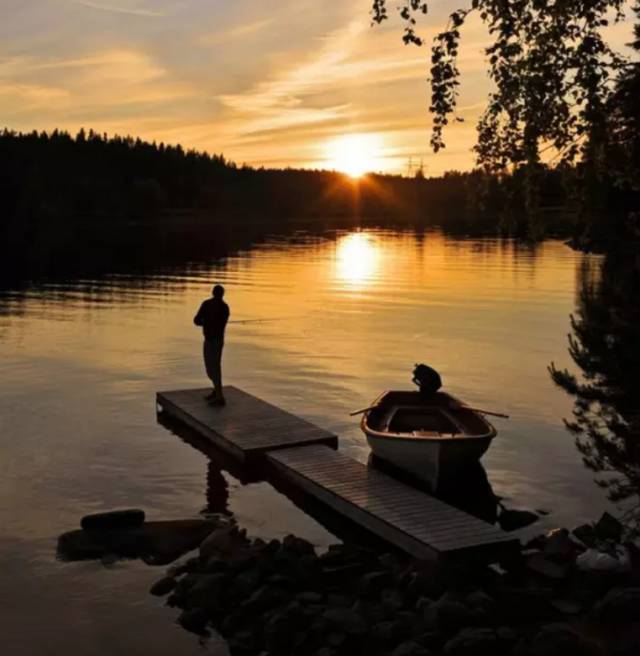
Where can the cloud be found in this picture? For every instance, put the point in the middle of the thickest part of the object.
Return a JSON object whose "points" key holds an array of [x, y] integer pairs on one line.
{"points": [[131, 11], [234, 34]]}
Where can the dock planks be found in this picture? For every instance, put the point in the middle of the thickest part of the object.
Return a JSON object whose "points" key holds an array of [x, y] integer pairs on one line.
{"points": [[413, 521], [297, 451], [246, 427]]}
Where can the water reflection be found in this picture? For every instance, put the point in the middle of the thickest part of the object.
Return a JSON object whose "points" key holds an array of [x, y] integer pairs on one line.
{"points": [[357, 259], [83, 356], [605, 344]]}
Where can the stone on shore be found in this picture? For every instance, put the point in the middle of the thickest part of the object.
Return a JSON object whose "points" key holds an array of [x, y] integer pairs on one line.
{"points": [[163, 587]]}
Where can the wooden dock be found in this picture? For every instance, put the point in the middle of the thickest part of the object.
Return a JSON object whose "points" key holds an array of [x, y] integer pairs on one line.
{"points": [[298, 452], [246, 427], [414, 521]]}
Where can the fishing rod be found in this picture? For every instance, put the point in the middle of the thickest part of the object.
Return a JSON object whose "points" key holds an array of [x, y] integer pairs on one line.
{"points": [[241, 321]]}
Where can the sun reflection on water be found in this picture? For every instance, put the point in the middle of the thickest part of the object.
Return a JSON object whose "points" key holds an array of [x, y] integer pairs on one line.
{"points": [[357, 259]]}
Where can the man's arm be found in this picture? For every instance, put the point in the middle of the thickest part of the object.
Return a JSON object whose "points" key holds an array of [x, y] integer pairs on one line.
{"points": [[199, 318]]}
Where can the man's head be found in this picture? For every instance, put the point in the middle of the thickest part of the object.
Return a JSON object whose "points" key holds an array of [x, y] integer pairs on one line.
{"points": [[217, 291]]}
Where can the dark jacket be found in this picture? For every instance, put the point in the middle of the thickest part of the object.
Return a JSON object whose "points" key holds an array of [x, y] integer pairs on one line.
{"points": [[212, 316]]}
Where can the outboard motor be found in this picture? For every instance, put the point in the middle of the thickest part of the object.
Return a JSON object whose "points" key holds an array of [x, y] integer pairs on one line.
{"points": [[427, 379]]}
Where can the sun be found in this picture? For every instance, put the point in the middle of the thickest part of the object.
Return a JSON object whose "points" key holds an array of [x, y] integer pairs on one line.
{"points": [[353, 154]]}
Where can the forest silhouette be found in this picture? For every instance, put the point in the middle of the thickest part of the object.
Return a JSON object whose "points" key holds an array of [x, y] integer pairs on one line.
{"points": [[72, 202]]}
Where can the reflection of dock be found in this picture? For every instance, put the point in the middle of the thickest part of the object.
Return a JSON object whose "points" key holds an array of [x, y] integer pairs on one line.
{"points": [[297, 452]]}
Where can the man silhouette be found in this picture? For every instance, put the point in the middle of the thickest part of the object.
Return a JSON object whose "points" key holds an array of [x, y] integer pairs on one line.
{"points": [[213, 316]]}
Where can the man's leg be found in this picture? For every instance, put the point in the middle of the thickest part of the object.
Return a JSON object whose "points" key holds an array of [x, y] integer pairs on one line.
{"points": [[216, 369], [209, 360]]}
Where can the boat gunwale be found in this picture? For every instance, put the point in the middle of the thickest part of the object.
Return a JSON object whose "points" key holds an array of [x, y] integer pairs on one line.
{"points": [[368, 431]]}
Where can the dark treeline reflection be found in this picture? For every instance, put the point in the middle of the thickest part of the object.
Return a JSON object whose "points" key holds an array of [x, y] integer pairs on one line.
{"points": [[73, 204], [605, 344]]}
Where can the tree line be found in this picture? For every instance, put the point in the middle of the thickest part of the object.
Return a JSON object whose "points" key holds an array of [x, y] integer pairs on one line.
{"points": [[64, 196]]}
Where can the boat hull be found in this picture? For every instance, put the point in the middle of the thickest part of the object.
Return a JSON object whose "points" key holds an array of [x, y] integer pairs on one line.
{"points": [[426, 455], [427, 460]]}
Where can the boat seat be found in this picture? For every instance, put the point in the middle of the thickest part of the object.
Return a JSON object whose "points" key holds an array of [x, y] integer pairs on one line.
{"points": [[426, 433]]}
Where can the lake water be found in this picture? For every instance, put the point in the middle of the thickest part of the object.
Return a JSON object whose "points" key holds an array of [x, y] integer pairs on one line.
{"points": [[351, 314]]}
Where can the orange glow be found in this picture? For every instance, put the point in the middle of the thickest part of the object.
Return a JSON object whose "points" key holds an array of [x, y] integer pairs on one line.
{"points": [[357, 259], [354, 154]]}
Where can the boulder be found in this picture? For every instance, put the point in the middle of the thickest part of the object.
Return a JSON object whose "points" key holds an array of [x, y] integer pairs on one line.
{"points": [[608, 528], [481, 604], [474, 642], [547, 568], [619, 605], [346, 620], [512, 520], [116, 520], [265, 597], [447, 615], [586, 534], [219, 542], [372, 583], [194, 620], [559, 546], [207, 591], [310, 597], [562, 640], [410, 648], [298, 546], [163, 587]]}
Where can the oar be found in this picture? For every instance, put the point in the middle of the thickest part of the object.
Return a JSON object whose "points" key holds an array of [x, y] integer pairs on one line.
{"points": [[359, 412], [484, 412]]}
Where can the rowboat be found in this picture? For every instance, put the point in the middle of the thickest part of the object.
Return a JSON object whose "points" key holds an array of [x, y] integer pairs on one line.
{"points": [[428, 435]]}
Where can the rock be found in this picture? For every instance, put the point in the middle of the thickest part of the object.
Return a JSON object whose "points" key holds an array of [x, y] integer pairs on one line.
{"points": [[163, 586], [507, 635], [207, 591], [424, 584], [264, 598], [473, 642], [512, 520], [298, 546], [182, 568], [618, 606], [524, 604], [243, 643], [219, 542], [372, 583], [608, 528], [341, 600], [550, 570], [194, 620], [566, 606], [558, 546], [586, 534], [336, 640], [310, 597], [278, 630], [447, 615], [116, 520], [481, 603], [245, 583], [410, 648], [383, 633], [346, 620], [215, 565], [155, 542], [562, 640]]}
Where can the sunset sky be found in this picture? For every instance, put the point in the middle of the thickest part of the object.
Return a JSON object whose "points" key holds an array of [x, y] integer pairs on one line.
{"points": [[277, 83]]}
